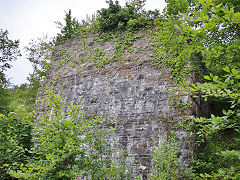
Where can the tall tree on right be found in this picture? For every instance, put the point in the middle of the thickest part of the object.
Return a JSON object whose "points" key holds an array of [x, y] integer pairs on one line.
{"points": [[198, 35], [202, 37]]}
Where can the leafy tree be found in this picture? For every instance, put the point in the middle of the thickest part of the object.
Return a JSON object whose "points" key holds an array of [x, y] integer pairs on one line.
{"points": [[39, 53], [8, 52], [130, 17], [221, 157], [225, 89], [195, 38], [198, 36], [71, 29]]}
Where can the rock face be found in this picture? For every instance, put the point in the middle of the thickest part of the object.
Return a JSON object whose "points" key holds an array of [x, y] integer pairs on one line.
{"points": [[132, 92]]}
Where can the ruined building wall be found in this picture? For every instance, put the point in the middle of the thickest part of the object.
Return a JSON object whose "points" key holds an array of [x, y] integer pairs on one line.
{"points": [[130, 91]]}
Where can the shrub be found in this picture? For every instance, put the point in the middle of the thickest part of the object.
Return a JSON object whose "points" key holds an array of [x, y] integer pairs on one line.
{"points": [[130, 17], [71, 29], [15, 138], [68, 145], [166, 161], [219, 159]]}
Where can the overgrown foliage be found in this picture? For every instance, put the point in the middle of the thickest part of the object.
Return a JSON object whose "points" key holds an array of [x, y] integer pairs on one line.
{"points": [[198, 36], [67, 145], [221, 131], [220, 90], [116, 17], [131, 17], [167, 157], [8, 52], [16, 140], [71, 29]]}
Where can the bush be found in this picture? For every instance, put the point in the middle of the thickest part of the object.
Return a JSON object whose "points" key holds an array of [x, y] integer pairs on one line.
{"points": [[130, 17], [219, 158], [15, 138], [68, 145], [166, 161], [71, 29]]}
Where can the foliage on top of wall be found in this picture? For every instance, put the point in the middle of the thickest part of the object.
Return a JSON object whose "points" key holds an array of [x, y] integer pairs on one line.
{"points": [[71, 29], [131, 17]]}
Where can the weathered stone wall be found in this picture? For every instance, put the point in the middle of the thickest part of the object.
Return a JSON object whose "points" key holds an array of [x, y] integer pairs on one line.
{"points": [[132, 92]]}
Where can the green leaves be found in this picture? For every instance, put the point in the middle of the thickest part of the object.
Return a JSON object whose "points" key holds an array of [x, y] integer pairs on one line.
{"points": [[223, 89], [131, 17], [207, 78], [226, 69], [235, 72], [211, 77], [15, 138], [8, 51], [67, 145], [200, 37]]}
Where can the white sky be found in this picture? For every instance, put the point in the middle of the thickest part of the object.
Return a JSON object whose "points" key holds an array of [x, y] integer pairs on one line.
{"points": [[29, 19]]}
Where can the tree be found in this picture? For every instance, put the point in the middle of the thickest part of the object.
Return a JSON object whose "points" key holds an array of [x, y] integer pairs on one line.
{"points": [[40, 54], [71, 29], [198, 36], [221, 155], [16, 140], [8, 52], [116, 17]]}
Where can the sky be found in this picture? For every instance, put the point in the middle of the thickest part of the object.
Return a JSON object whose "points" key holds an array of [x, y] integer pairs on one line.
{"points": [[30, 19]]}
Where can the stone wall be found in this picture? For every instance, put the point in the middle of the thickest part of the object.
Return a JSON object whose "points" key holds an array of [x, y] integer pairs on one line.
{"points": [[132, 92]]}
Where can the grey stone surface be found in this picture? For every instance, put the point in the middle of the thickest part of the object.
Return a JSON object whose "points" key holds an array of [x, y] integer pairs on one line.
{"points": [[133, 93]]}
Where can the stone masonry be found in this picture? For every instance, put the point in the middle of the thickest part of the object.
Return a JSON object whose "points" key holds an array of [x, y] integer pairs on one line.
{"points": [[133, 93]]}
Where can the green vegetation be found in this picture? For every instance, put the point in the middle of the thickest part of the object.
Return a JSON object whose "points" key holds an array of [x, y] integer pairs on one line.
{"points": [[67, 145], [8, 52], [197, 40], [199, 37], [130, 17], [221, 130], [166, 161], [61, 144], [71, 29], [108, 21], [16, 140]]}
